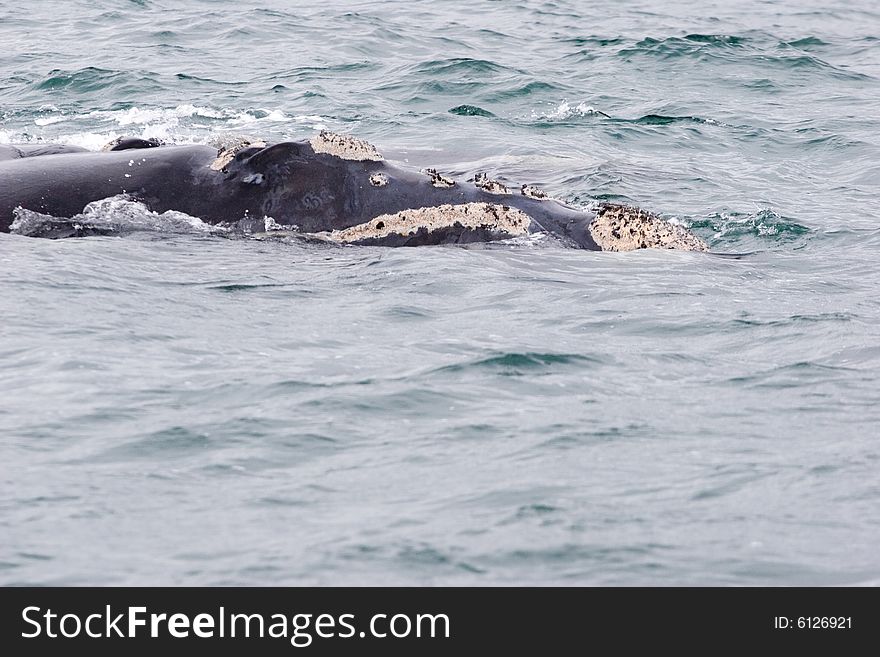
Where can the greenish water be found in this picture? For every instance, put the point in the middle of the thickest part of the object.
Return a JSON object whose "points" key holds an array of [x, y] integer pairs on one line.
{"points": [[178, 408]]}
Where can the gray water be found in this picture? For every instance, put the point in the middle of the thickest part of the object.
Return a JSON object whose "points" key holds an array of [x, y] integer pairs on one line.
{"points": [[181, 408]]}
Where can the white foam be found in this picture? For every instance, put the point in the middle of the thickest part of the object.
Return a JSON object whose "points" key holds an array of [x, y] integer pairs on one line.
{"points": [[49, 120], [565, 111], [193, 110], [125, 213], [261, 116], [94, 141], [186, 123], [246, 118], [765, 222], [116, 214], [141, 116]]}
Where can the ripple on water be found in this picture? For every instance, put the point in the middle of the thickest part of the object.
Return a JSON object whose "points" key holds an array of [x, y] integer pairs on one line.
{"points": [[188, 409], [518, 364]]}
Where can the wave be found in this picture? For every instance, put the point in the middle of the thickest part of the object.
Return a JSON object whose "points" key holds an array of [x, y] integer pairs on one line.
{"points": [[519, 363], [459, 66], [732, 227], [115, 215], [565, 111], [186, 123], [759, 49], [470, 110], [661, 119]]}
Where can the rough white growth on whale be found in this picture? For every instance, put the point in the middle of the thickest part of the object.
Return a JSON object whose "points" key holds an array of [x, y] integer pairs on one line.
{"points": [[344, 146], [501, 219], [622, 228]]}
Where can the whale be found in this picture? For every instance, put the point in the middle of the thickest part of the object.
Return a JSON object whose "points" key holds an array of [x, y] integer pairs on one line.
{"points": [[333, 188]]}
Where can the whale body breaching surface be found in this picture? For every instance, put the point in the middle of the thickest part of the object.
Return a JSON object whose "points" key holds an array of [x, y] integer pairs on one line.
{"points": [[334, 188]]}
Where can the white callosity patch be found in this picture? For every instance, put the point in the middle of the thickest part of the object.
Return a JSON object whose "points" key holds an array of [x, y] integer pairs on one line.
{"points": [[227, 151], [624, 228], [345, 147], [438, 179], [532, 192], [500, 219], [378, 179], [228, 141], [482, 181]]}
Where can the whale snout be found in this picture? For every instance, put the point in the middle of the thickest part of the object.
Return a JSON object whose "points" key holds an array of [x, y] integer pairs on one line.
{"points": [[625, 228]]}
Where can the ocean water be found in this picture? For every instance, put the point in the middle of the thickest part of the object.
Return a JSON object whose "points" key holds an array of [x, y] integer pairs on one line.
{"points": [[177, 407]]}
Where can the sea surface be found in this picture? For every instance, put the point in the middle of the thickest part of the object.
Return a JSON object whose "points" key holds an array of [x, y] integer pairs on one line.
{"points": [[178, 407]]}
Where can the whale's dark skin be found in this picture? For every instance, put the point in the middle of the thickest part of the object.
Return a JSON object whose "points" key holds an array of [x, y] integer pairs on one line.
{"points": [[19, 151], [289, 182]]}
